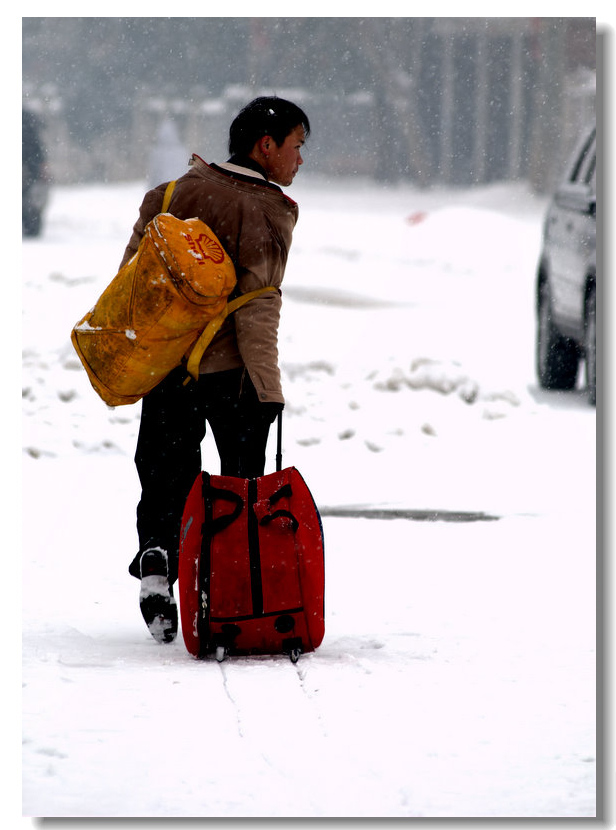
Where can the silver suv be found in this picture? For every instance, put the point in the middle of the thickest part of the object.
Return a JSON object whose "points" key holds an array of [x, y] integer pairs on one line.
{"points": [[566, 293]]}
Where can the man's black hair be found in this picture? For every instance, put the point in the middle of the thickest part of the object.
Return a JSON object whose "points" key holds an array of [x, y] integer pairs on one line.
{"points": [[265, 116]]}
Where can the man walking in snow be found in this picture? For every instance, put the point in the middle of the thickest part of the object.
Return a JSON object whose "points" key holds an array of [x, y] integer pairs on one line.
{"points": [[239, 391]]}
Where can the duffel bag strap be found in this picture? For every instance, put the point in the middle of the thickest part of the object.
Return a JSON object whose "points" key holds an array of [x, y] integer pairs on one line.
{"points": [[207, 335], [167, 196], [209, 494]]}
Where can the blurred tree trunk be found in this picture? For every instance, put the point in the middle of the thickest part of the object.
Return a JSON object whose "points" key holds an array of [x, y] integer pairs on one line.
{"points": [[545, 157], [481, 107], [517, 107], [400, 141]]}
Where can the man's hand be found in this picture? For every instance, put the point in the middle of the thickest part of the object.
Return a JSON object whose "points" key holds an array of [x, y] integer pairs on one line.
{"points": [[270, 410]]}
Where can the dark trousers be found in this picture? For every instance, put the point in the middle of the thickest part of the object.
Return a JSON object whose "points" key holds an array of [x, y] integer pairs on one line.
{"points": [[168, 455]]}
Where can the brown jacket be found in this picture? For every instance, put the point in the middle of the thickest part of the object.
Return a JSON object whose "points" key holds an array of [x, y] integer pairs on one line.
{"points": [[254, 221]]}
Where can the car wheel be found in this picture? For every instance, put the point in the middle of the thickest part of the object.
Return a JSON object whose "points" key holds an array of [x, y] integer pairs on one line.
{"points": [[557, 357], [590, 346]]}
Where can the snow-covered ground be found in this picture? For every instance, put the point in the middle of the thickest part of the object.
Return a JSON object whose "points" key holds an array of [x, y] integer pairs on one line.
{"points": [[457, 673]]}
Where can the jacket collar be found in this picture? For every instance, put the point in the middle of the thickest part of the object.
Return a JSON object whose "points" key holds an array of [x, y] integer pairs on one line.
{"points": [[246, 164], [237, 171], [235, 165], [241, 170]]}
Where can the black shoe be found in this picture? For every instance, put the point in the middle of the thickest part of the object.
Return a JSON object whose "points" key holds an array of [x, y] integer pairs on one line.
{"points": [[156, 601]]}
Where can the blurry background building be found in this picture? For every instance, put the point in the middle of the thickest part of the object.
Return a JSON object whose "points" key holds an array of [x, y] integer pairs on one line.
{"points": [[432, 101]]}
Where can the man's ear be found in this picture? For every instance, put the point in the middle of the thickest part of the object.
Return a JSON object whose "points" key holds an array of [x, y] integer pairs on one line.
{"points": [[265, 144]]}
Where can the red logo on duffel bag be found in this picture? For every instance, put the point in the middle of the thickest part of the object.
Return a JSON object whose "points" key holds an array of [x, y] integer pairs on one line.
{"points": [[204, 247]]}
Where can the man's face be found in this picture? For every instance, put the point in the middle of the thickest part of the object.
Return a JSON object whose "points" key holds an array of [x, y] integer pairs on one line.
{"points": [[282, 163]]}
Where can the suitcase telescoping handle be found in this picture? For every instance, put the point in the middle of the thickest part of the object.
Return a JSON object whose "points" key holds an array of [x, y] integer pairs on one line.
{"points": [[279, 444]]}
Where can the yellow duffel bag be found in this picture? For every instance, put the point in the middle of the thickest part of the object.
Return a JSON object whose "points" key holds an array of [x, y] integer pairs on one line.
{"points": [[165, 304]]}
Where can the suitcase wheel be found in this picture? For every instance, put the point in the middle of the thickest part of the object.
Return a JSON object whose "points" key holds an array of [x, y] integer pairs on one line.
{"points": [[293, 647], [224, 640]]}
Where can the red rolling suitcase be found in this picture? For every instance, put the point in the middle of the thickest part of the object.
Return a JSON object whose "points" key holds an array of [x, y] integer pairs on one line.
{"points": [[251, 570]]}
